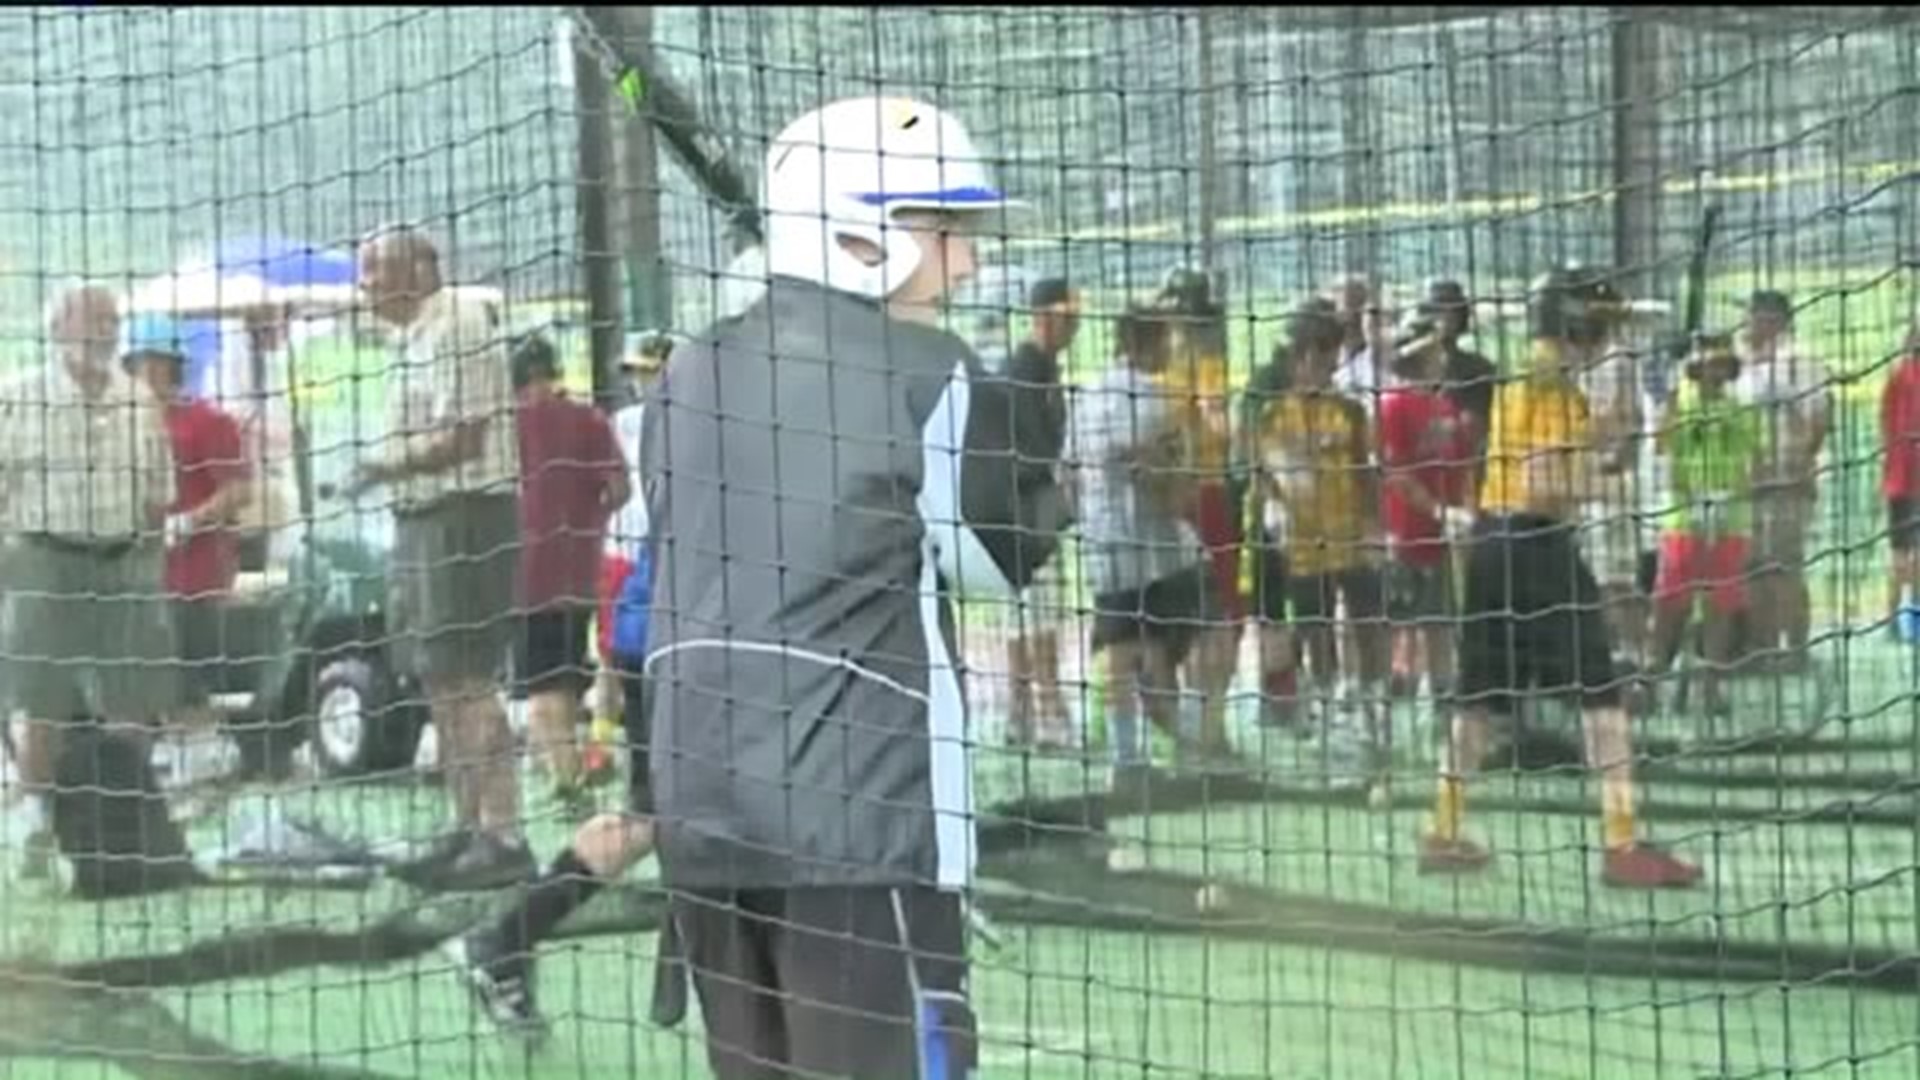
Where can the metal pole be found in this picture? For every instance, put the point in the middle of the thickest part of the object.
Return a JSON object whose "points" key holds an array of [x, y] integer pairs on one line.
{"points": [[1358, 157], [649, 291], [1635, 44], [599, 261], [1209, 143]]}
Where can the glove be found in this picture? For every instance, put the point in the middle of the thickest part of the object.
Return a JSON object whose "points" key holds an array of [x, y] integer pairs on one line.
{"points": [[177, 529], [1456, 522]]}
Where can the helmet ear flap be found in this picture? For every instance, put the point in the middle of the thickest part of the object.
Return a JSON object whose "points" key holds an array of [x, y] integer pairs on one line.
{"points": [[846, 169]]}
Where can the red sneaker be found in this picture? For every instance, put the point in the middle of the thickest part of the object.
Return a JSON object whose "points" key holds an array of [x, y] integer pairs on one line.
{"points": [[1643, 866], [1440, 856]]}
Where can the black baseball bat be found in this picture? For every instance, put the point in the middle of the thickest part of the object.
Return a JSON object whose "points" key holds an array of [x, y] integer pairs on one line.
{"points": [[676, 118], [1693, 314]]}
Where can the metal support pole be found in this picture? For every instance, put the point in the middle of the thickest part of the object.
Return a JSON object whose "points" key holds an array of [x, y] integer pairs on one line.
{"points": [[1209, 142], [600, 263], [1635, 45], [649, 290]]}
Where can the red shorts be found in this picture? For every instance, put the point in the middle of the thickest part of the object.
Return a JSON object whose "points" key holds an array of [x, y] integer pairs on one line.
{"points": [[1690, 564], [1213, 520], [613, 577]]}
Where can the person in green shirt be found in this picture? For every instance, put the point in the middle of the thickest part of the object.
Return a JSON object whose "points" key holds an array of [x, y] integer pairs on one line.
{"points": [[1712, 444]]}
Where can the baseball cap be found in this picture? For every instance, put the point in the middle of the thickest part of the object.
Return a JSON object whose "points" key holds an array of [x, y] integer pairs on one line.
{"points": [[1443, 294], [1770, 301], [1049, 292], [153, 336], [533, 357]]}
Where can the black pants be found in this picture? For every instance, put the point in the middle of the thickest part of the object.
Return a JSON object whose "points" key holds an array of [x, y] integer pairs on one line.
{"points": [[635, 720], [1532, 618], [865, 983]]}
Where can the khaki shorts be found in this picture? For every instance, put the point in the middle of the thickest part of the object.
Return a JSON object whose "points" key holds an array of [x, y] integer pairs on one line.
{"points": [[89, 631], [1782, 517], [453, 587]]}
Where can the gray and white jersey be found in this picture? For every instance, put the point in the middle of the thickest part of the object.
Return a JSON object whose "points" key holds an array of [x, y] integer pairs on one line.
{"points": [[1127, 540], [810, 509]]}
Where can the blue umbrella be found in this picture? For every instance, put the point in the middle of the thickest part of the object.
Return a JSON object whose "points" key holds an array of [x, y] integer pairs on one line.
{"points": [[284, 263], [249, 272], [204, 293]]}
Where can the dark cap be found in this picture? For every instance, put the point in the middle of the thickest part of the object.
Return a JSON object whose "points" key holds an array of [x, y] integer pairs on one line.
{"points": [[533, 359], [1313, 326], [1442, 295], [1049, 292], [131, 359], [1770, 301]]}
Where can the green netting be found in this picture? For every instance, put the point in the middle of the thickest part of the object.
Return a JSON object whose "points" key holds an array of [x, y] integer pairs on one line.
{"points": [[1267, 923]]}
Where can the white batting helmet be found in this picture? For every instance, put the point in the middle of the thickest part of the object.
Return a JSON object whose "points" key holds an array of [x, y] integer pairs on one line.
{"points": [[846, 169]]}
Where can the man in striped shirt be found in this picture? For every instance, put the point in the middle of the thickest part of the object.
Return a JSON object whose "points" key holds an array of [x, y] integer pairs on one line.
{"points": [[86, 477], [452, 465]]}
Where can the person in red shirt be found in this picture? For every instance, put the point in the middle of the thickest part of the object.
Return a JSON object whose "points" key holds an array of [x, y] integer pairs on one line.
{"points": [[1427, 458], [573, 478], [1900, 478], [203, 550]]}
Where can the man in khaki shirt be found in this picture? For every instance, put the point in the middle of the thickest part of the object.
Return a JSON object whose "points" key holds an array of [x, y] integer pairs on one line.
{"points": [[86, 476], [451, 465]]}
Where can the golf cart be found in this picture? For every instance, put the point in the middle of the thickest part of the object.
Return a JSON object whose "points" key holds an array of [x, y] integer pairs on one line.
{"points": [[305, 625]]}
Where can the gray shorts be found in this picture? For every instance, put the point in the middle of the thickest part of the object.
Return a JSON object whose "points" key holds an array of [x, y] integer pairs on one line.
{"points": [[453, 586], [89, 632], [1782, 516]]}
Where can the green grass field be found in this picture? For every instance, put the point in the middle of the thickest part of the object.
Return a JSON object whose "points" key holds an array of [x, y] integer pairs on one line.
{"points": [[1060, 1003]]}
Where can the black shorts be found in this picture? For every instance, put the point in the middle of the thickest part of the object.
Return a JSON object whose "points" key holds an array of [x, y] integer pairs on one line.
{"points": [[200, 633], [1270, 583], [1421, 593], [1315, 597], [1172, 612], [1903, 523], [552, 651], [1531, 619], [815, 981]]}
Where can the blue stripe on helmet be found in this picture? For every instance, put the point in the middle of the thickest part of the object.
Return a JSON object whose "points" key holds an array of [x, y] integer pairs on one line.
{"points": [[961, 196]]}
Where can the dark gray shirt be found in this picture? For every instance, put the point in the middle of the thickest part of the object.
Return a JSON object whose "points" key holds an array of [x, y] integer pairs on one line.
{"points": [[811, 508]]}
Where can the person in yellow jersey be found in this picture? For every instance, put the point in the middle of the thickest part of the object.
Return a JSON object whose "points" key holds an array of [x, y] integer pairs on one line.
{"points": [[1532, 608], [1318, 474], [1197, 376]]}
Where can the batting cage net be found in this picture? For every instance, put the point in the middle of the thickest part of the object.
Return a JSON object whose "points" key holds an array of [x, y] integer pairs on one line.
{"points": [[1044, 542]]}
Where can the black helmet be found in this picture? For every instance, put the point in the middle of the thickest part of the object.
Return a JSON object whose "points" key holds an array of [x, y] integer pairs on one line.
{"points": [[1443, 295], [1576, 304], [1312, 326], [1187, 290]]}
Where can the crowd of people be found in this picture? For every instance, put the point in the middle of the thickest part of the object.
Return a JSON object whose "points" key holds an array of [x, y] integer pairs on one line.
{"points": [[127, 502], [1361, 468]]}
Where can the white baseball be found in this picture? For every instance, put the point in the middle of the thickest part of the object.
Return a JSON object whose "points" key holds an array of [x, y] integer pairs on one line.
{"points": [[1126, 859]]}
